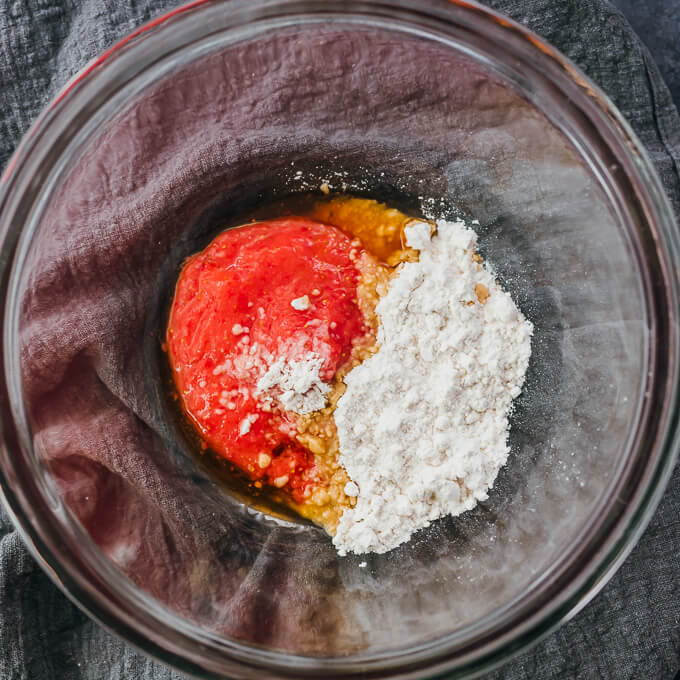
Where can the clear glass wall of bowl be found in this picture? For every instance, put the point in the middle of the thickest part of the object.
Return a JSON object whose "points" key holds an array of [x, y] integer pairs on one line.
{"points": [[221, 116]]}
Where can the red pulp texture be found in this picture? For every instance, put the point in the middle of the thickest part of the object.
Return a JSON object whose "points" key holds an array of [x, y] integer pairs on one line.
{"points": [[232, 315]]}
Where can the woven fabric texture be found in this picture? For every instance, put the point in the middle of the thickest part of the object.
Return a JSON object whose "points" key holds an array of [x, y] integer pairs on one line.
{"points": [[632, 628]]}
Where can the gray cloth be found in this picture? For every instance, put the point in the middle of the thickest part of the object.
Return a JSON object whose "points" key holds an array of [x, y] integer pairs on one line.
{"points": [[629, 631], [656, 22]]}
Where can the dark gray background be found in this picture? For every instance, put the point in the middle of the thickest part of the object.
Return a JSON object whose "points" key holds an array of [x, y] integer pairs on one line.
{"points": [[657, 22], [632, 629]]}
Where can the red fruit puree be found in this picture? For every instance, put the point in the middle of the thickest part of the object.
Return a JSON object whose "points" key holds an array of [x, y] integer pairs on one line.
{"points": [[232, 316]]}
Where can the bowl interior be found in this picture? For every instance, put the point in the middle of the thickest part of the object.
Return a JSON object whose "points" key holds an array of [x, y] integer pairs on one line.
{"points": [[427, 125]]}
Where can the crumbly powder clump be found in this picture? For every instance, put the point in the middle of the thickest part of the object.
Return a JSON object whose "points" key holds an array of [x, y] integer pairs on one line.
{"points": [[423, 423], [295, 384]]}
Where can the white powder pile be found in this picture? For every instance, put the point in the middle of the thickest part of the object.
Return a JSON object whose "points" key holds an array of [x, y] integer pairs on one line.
{"points": [[295, 384], [423, 424]]}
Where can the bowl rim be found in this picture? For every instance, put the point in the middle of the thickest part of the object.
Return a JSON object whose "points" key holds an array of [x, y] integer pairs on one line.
{"points": [[149, 632]]}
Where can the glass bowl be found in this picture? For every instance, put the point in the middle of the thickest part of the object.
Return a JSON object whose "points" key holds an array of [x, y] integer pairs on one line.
{"points": [[219, 107]]}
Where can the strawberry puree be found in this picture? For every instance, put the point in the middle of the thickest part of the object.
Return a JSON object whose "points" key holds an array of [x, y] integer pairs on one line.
{"points": [[270, 290]]}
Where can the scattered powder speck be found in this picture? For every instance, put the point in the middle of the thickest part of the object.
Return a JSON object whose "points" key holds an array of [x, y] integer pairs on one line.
{"points": [[351, 489], [301, 303], [295, 384]]}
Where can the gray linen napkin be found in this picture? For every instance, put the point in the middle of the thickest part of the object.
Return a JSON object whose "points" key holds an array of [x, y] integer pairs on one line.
{"points": [[631, 630]]}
